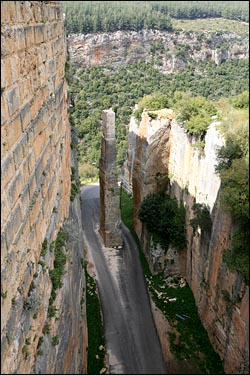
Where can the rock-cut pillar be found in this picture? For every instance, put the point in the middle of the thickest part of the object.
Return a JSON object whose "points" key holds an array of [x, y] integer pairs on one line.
{"points": [[110, 214]]}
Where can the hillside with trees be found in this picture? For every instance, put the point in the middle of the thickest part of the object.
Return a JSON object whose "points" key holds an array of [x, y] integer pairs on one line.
{"points": [[109, 16], [93, 89]]}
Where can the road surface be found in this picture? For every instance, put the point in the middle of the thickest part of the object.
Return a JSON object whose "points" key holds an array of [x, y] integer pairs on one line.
{"points": [[132, 342]]}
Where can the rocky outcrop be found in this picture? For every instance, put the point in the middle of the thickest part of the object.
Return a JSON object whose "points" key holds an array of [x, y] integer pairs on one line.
{"points": [[163, 157], [169, 51], [110, 215], [43, 326]]}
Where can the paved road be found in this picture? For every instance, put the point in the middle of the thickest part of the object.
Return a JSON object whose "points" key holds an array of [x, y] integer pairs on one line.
{"points": [[132, 342]]}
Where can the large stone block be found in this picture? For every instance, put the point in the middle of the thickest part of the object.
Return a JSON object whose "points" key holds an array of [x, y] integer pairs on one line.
{"points": [[26, 93], [12, 97], [39, 144], [4, 141], [15, 188], [14, 64], [43, 55], [4, 249], [7, 170], [6, 74], [39, 170], [39, 33], [18, 152], [32, 185], [20, 39], [24, 170], [35, 206], [25, 200], [8, 12], [25, 116], [21, 237], [31, 162], [8, 40], [38, 225], [4, 111], [27, 11], [30, 134], [13, 224], [38, 15], [5, 207], [14, 130], [29, 36]]}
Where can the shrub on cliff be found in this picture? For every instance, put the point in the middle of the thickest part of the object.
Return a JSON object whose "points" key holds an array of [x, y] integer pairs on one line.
{"points": [[165, 220], [241, 100], [152, 102], [202, 217], [195, 114]]}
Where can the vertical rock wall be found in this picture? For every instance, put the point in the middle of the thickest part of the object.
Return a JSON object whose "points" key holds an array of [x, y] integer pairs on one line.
{"points": [[35, 186], [110, 215], [162, 156], [129, 47]]}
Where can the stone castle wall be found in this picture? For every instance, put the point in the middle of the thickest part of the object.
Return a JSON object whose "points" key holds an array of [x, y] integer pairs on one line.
{"points": [[35, 163]]}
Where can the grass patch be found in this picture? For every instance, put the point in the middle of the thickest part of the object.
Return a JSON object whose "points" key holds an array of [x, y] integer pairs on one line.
{"points": [[212, 25], [56, 274], [96, 340], [75, 184], [192, 341]]}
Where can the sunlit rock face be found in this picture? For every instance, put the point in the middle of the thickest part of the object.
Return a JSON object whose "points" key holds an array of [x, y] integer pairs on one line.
{"points": [[194, 170], [128, 47], [162, 156]]}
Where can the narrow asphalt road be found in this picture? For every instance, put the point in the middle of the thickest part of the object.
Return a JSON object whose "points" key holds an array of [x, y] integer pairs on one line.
{"points": [[132, 342]]}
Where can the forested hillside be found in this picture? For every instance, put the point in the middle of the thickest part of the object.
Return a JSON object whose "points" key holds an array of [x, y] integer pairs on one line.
{"points": [[105, 16], [93, 89]]}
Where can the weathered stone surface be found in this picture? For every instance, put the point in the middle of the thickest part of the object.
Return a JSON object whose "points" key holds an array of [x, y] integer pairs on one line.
{"points": [[110, 219], [155, 153], [35, 183], [127, 47]]}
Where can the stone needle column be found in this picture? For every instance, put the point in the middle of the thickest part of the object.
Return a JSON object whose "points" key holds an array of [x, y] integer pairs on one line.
{"points": [[110, 215]]}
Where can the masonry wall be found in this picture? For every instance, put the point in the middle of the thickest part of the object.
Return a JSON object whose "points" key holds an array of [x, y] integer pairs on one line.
{"points": [[35, 162]]}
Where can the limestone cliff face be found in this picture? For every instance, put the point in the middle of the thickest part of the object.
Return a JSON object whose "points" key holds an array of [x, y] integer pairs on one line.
{"points": [[39, 334], [162, 156], [170, 52]]}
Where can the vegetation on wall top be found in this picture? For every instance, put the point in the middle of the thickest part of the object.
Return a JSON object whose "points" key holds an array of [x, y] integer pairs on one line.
{"points": [[195, 113], [151, 102]]}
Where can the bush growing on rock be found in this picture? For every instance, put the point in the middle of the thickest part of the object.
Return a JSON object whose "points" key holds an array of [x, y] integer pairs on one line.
{"points": [[165, 220]]}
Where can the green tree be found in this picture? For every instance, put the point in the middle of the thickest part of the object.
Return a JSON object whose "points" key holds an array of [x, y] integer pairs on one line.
{"points": [[195, 113], [165, 220], [152, 102]]}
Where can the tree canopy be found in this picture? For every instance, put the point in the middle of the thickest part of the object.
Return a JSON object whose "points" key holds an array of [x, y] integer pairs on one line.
{"points": [[108, 16], [165, 220]]}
